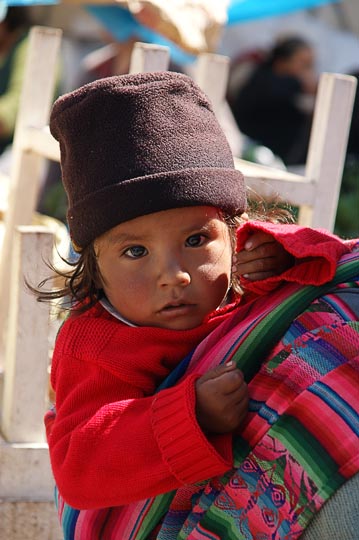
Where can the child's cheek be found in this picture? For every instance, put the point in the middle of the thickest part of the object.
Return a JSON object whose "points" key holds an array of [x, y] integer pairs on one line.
{"points": [[218, 263], [217, 270]]}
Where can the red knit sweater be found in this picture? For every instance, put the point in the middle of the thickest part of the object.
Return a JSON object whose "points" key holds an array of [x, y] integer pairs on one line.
{"points": [[113, 440]]}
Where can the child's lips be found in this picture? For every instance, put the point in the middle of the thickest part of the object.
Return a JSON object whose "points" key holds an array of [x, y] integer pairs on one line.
{"points": [[177, 309]]}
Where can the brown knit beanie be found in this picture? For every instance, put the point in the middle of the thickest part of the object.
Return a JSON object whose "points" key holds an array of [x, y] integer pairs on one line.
{"points": [[136, 144]]}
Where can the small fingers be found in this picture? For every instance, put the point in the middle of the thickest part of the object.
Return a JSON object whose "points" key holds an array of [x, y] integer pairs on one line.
{"points": [[257, 239], [218, 371], [236, 411], [259, 276], [269, 249], [231, 382], [256, 266], [265, 258], [223, 379]]}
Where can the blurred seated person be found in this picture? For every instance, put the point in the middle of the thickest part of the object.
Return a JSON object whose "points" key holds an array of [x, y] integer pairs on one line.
{"points": [[13, 47], [271, 106]]}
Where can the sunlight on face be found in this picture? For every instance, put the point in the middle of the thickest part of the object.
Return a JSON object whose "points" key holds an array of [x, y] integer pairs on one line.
{"points": [[168, 269]]}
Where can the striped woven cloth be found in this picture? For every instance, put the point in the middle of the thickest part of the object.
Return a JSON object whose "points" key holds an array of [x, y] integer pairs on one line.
{"points": [[299, 443]]}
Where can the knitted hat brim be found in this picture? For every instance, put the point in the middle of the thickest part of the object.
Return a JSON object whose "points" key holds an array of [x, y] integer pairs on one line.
{"points": [[155, 193]]}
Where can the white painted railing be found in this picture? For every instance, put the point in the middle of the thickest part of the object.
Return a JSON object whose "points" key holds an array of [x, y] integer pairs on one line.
{"points": [[24, 324], [27, 346]]}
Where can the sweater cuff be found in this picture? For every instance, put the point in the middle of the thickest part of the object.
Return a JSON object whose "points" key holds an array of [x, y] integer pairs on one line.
{"points": [[187, 452], [316, 253]]}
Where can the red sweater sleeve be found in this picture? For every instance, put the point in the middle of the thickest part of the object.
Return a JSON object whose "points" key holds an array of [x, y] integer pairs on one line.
{"points": [[316, 253], [111, 442]]}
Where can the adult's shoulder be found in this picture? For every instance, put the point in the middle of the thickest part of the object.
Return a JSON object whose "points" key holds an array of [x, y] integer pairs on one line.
{"points": [[339, 517]]}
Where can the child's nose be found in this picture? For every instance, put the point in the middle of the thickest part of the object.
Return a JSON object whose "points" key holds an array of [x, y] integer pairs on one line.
{"points": [[174, 274]]}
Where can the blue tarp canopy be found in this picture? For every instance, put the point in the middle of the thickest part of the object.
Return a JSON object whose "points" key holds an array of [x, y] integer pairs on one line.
{"points": [[122, 24], [239, 10], [246, 10]]}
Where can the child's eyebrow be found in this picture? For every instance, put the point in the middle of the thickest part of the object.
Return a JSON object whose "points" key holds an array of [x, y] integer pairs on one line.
{"points": [[120, 238], [123, 237]]}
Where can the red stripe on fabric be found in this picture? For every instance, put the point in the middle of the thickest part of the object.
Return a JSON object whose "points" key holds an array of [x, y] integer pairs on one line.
{"points": [[326, 426], [346, 383], [344, 339]]}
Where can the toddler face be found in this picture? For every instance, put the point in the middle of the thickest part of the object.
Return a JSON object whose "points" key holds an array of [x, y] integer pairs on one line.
{"points": [[169, 269]]}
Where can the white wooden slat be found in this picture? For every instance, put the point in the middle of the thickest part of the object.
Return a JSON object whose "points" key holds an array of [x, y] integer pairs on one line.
{"points": [[267, 181], [27, 347], [41, 142], [328, 143], [25, 475], [147, 57], [35, 102], [39, 78], [211, 74], [317, 192], [264, 172]]}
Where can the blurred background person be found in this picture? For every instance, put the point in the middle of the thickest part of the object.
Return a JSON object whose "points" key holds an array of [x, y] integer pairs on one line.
{"points": [[274, 105], [13, 47]]}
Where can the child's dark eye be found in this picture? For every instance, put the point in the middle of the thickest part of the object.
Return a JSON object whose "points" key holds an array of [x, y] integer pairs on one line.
{"points": [[136, 252], [195, 240]]}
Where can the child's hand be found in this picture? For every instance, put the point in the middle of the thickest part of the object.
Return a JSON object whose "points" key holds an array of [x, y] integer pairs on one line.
{"points": [[262, 257], [221, 399]]}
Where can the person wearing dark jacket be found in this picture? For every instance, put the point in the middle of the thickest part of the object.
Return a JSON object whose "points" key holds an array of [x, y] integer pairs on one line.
{"points": [[269, 107]]}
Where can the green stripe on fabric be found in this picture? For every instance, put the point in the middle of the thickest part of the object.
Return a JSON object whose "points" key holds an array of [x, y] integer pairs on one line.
{"points": [[220, 524], [241, 449], [305, 448], [332, 485], [327, 490], [158, 509], [271, 328]]}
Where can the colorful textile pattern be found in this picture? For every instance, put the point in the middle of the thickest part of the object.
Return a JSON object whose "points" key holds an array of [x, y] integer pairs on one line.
{"points": [[300, 440], [297, 416]]}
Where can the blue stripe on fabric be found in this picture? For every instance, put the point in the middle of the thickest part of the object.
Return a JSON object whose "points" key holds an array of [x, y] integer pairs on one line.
{"points": [[174, 376], [69, 517], [295, 331], [334, 304], [68, 522], [267, 413], [338, 404], [319, 354], [206, 534], [139, 517]]}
